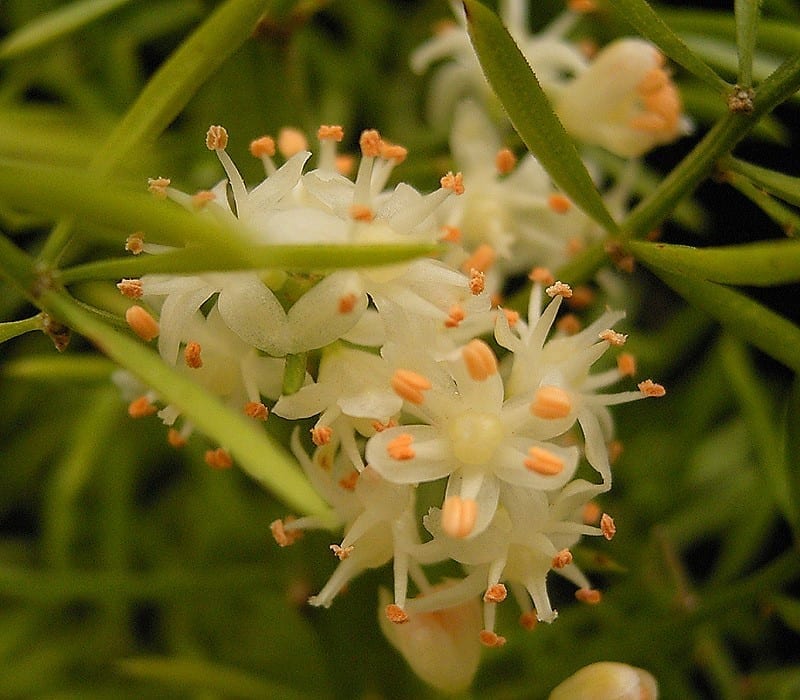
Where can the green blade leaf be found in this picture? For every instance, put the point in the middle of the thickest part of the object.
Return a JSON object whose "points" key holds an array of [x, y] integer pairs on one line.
{"points": [[760, 264], [251, 447], [740, 315], [53, 25], [747, 13], [530, 111], [644, 19]]}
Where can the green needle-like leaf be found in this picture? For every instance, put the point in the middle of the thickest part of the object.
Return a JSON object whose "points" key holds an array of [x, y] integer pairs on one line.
{"points": [[530, 111], [762, 264], [741, 316], [644, 19], [784, 186], [12, 329], [747, 14], [54, 25]]}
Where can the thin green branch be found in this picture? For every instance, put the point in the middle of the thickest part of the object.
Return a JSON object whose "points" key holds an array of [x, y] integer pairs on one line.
{"points": [[747, 14]]}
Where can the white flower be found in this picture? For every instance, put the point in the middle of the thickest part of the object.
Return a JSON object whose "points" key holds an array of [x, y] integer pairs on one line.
{"points": [[631, 103], [557, 372], [607, 680], [472, 437]]}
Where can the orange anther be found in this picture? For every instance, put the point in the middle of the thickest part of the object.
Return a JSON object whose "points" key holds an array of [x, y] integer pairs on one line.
{"points": [[396, 614], [626, 364], [347, 303], [142, 323], [400, 447], [459, 516], [192, 355], [452, 234], [559, 203], [361, 212], [348, 483], [409, 385], [158, 186], [345, 164], [504, 161], [453, 182], [613, 338], [261, 147], [130, 288], [321, 435], [562, 559], [607, 526], [256, 410], [216, 138], [218, 459], [477, 281], [541, 275], [141, 407], [481, 362], [559, 289], [454, 316], [591, 513], [512, 317], [332, 132], [649, 388], [201, 198], [543, 462], [569, 324], [291, 141], [390, 151], [135, 243], [342, 552], [491, 640], [615, 449], [528, 620], [496, 593], [282, 536], [581, 297], [175, 439], [370, 143], [582, 6], [588, 595], [551, 402], [482, 259]]}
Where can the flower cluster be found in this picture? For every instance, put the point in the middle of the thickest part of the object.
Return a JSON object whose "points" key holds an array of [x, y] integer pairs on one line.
{"points": [[421, 373]]}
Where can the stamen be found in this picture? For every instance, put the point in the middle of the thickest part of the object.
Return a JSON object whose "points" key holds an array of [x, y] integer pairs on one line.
{"points": [[541, 275], [528, 620], [591, 513], [175, 439], [512, 317], [569, 324], [477, 281], [574, 246], [330, 133], [562, 559], [345, 164], [459, 516], [581, 297], [452, 234], [551, 402], [218, 459], [649, 388], [559, 289], [291, 141], [158, 186], [347, 303], [379, 427], [559, 203], [453, 182], [589, 596], [361, 212], [321, 435], [613, 338], [582, 6], [543, 462], [142, 323], [495, 594], [141, 407], [607, 526], [409, 385], [615, 449], [342, 552], [626, 364], [393, 152], [454, 316], [482, 259], [202, 198], [480, 360], [284, 537], [216, 138], [348, 483], [131, 288], [653, 81], [491, 640], [256, 410], [191, 355], [504, 161], [396, 614], [263, 147], [135, 243], [400, 448], [370, 143], [648, 121]]}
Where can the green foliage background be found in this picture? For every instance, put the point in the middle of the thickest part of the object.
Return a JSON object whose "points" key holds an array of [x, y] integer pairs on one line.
{"points": [[128, 569]]}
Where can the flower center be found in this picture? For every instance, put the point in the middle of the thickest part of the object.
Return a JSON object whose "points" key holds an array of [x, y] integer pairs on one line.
{"points": [[475, 436]]}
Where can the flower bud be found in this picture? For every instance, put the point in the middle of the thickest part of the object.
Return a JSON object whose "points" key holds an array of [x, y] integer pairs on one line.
{"points": [[607, 681], [442, 647]]}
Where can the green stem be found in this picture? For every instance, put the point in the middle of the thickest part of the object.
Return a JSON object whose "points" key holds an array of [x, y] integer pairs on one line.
{"points": [[294, 373], [747, 13], [12, 329]]}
